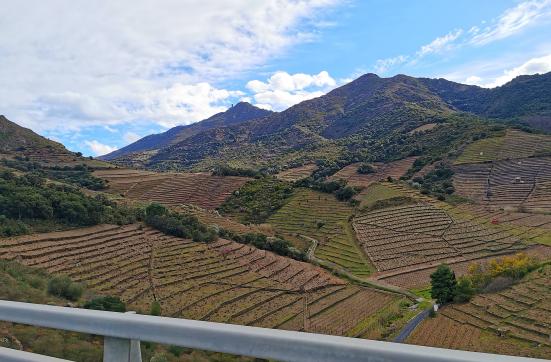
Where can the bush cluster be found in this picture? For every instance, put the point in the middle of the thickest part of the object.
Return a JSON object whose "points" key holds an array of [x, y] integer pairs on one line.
{"points": [[225, 170], [181, 225], [490, 277], [80, 175], [261, 241], [27, 199], [64, 287], [257, 200]]}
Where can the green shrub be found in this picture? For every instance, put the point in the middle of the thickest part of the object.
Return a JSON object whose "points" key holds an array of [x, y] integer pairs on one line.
{"points": [[108, 303], [64, 287], [155, 309]]}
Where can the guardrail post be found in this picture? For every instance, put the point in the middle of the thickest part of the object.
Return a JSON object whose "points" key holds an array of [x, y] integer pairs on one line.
{"points": [[121, 350], [116, 349]]}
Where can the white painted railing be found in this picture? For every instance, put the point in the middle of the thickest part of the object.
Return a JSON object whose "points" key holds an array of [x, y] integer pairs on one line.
{"points": [[123, 331]]}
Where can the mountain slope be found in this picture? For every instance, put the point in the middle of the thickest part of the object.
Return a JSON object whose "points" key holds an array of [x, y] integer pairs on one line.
{"points": [[367, 119], [16, 138], [526, 98], [371, 107], [239, 113]]}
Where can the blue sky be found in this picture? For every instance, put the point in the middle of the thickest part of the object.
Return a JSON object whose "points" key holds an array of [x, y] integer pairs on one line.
{"points": [[99, 76]]}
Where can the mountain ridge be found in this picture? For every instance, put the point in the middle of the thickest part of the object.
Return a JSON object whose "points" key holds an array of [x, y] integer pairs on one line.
{"points": [[240, 112]]}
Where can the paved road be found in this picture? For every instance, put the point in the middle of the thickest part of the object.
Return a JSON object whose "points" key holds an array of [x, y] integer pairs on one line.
{"points": [[406, 331]]}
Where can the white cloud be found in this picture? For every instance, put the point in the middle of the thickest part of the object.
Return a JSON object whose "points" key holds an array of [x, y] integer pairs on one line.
{"points": [[439, 44], [513, 20], [72, 64], [283, 90], [383, 65], [538, 65], [510, 22], [99, 148]]}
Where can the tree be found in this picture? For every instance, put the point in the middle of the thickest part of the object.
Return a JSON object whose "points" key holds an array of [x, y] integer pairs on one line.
{"points": [[443, 284], [464, 290]]}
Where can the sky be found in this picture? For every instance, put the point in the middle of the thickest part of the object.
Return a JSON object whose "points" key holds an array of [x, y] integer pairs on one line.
{"points": [[98, 75]]}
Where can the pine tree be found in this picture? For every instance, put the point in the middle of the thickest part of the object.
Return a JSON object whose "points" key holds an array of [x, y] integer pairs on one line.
{"points": [[443, 284]]}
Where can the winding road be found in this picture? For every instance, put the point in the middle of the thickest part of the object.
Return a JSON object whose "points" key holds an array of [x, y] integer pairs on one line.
{"points": [[411, 325]]}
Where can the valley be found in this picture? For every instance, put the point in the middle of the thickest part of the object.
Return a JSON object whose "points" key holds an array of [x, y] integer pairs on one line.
{"points": [[329, 217]]}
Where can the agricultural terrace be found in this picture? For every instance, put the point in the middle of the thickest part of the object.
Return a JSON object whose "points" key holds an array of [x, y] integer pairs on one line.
{"points": [[223, 281], [423, 128], [212, 217], [519, 315], [201, 189], [394, 169], [529, 228], [296, 173], [524, 184], [322, 217], [420, 234], [514, 144]]}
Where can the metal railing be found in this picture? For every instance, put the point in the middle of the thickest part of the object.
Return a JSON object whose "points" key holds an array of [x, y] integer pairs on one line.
{"points": [[122, 333]]}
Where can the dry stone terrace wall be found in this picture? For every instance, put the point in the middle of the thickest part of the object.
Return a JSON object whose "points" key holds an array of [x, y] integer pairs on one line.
{"points": [[412, 235], [223, 281], [201, 189], [521, 183], [515, 144]]}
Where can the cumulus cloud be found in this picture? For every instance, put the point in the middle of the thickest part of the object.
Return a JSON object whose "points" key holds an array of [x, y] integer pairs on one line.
{"points": [[283, 90], [99, 148], [74, 64], [538, 65]]}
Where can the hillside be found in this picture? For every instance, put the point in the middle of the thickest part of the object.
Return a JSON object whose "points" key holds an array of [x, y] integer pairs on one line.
{"points": [[355, 121], [20, 142], [526, 98], [238, 113]]}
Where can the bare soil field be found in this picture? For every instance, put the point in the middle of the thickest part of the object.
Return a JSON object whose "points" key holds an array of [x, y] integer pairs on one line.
{"points": [[425, 127], [223, 281], [297, 173], [394, 169], [201, 189], [511, 321]]}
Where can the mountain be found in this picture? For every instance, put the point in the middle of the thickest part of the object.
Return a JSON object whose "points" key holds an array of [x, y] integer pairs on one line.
{"points": [[16, 138], [368, 118], [21, 142], [526, 98], [238, 113]]}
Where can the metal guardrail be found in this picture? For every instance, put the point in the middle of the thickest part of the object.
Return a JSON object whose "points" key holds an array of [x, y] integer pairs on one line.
{"points": [[123, 332]]}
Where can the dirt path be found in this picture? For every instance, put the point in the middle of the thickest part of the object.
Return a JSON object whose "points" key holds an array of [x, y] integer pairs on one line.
{"points": [[342, 272]]}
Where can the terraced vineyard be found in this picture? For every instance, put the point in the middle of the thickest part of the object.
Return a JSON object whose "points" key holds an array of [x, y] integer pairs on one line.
{"points": [[322, 217], [394, 169], [528, 228], [222, 281], [514, 144], [412, 235], [173, 189], [296, 173], [520, 315], [212, 217], [522, 183]]}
